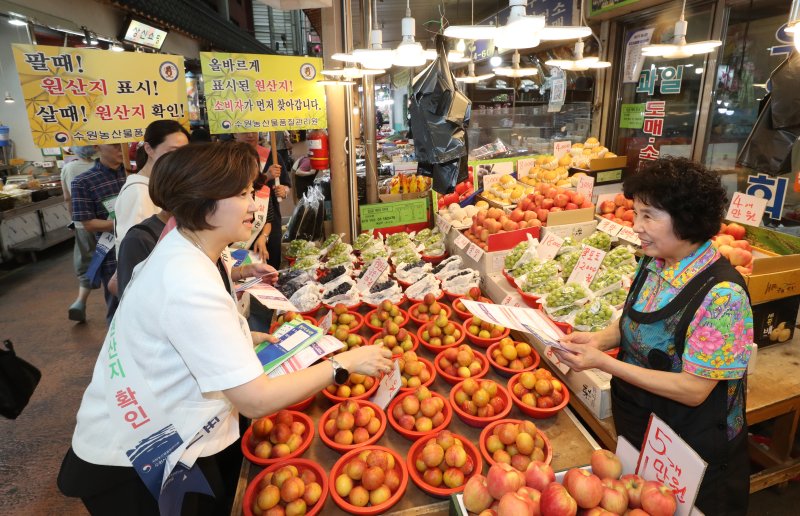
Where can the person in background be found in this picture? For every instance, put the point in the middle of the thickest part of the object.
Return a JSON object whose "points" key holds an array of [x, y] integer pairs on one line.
{"points": [[180, 308], [268, 244], [200, 135], [284, 146], [304, 176], [93, 196], [84, 240], [684, 333], [133, 204]]}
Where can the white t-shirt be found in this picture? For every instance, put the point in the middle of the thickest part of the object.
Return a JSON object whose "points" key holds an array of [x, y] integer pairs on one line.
{"points": [[133, 205], [182, 328]]}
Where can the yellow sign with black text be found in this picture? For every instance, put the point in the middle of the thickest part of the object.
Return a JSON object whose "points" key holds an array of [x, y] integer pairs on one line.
{"points": [[81, 96], [255, 92]]}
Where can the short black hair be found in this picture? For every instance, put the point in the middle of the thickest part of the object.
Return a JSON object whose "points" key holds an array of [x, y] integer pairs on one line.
{"points": [[691, 194]]}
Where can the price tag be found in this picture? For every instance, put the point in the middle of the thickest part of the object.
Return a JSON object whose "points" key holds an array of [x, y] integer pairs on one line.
{"points": [[499, 260], [549, 246], [553, 358], [746, 209], [514, 300], [561, 148], [609, 226], [388, 387], [271, 297], [587, 266], [461, 241], [491, 179], [629, 235], [326, 322], [443, 225], [373, 274], [474, 252], [585, 186], [666, 458]]}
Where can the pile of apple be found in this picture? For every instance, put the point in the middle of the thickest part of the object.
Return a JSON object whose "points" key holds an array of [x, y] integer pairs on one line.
{"points": [[485, 329], [731, 244], [460, 362], [287, 491], [441, 332], [350, 340], [539, 389], [601, 491], [372, 477], [513, 355], [275, 439], [414, 371], [419, 411], [620, 210], [356, 385], [473, 294], [395, 339], [341, 318], [385, 313], [443, 460], [479, 398], [516, 444], [288, 316], [428, 309], [351, 424], [463, 190]]}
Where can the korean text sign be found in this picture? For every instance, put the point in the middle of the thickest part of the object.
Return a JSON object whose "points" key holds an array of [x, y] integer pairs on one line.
{"points": [[77, 96], [254, 92]]}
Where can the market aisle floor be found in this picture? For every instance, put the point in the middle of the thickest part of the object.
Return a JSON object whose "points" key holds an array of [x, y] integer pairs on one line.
{"points": [[33, 314]]}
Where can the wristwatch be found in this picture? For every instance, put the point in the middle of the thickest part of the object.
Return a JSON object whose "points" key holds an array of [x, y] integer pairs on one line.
{"points": [[340, 374]]}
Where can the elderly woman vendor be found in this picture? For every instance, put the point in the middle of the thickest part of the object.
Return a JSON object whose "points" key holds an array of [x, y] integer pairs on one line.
{"points": [[683, 333]]}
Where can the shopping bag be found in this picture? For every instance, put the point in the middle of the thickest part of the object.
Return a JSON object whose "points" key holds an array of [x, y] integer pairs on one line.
{"points": [[18, 379]]}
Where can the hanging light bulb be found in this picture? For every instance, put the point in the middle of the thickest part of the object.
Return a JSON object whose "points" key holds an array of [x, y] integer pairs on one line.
{"points": [[471, 31], [409, 53], [375, 56], [679, 48], [521, 30], [461, 46], [495, 60], [579, 63], [515, 70], [793, 27], [456, 55], [471, 78]]}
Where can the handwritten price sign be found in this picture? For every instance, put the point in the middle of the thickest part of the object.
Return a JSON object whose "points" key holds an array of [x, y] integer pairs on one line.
{"points": [[326, 322], [609, 226], [561, 148], [549, 246], [461, 241], [666, 458], [474, 252], [376, 269], [587, 266], [388, 388], [629, 235], [443, 225], [585, 186], [746, 209]]}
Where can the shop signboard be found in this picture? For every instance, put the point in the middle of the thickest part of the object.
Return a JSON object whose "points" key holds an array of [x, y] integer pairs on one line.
{"points": [[79, 96], [772, 190], [669, 80], [387, 214], [603, 6], [255, 92]]}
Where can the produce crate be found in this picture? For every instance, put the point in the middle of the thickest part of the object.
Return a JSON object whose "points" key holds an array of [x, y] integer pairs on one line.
{"points": [[769, 318], [776, 265]]}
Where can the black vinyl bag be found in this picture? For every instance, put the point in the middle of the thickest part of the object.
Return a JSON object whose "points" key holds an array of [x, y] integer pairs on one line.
{"points": [[18, 379]]}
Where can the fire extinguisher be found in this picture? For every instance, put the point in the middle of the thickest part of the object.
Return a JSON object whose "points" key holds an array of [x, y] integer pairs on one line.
{"points": [[318, 147]]}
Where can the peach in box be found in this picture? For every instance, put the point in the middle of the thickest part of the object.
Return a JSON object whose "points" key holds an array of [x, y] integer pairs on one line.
{"points": [[509, 357], [483, 333], [280, 436], [357, 387], [537, 393]]}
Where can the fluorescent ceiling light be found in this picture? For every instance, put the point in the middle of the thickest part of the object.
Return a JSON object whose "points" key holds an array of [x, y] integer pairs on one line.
{"points": [[566, 32], [515, 70], [410, 53], [679, 48], [471, 78], [579, 63]]}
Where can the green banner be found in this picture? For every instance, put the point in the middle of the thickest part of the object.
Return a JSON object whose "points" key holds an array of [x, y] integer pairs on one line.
{"points": [[631, 116], [603, 6], [387, 214]]}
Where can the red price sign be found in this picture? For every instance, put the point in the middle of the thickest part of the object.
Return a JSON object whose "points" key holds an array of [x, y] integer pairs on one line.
{"points": [[474, 252], [587, 266], [376, 269], [629, 235], [443, 225], [666, 458], [561, 148], [326, 322], [746, 209], [609, 226], [549, 246], [388, 388], [585, 186]]}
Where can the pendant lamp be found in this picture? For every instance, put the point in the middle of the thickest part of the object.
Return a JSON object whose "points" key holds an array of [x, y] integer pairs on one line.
{"points": [[679, 48], [374, 56], [471, 78], [579, 63], [471, 31], [409, 53], [515, 70]]}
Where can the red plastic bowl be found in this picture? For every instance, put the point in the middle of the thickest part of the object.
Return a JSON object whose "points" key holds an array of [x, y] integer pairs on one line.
{"points": [[313, 310], [443, 492], [418, 301], [447, 310], [403, 284], [481, 342], [353, 308], [302, 405], [368, 394], [452, 296], [376, 329], [276, 325], [359, 320], [477, 421], [413, 435], [453, 380], [369, 510], [363, 342], [414, 339], [511, 280], [534, 412], [402, 300], [308, 436], [251, 494], [613, 352], [438, 349], [344, 448], [486, 432], [431, 369], [530, 299], [466, 314], [564, 327], [507, 371], [434, 260]]}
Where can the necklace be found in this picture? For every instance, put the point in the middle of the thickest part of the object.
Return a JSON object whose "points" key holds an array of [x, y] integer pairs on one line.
{"points": [[194, 240]]}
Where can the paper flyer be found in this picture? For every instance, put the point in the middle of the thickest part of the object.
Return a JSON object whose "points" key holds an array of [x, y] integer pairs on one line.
{"points": [[271, 297], [308, 356], [528, 320], [292, 338]]}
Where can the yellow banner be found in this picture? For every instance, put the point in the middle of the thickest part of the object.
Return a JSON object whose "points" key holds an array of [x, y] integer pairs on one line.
{"points": [[78, 96], [254, 92]]}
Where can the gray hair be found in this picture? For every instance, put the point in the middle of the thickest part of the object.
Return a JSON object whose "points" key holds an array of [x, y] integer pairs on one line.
{"points": [[85, 152]]}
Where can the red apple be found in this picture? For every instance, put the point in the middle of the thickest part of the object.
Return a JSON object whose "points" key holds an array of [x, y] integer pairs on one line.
{"points": [[538, 475], [658, 499], [606, 464], [513, 504], [615, 496], [633, 484], [607, 207], [502, 479], [556, 501], [534, 495], [476, 494], [736, 231], [584, 486]]}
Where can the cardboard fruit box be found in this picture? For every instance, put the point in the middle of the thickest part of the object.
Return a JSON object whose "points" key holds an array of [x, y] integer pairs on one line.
{"points": [[776, 265]]}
